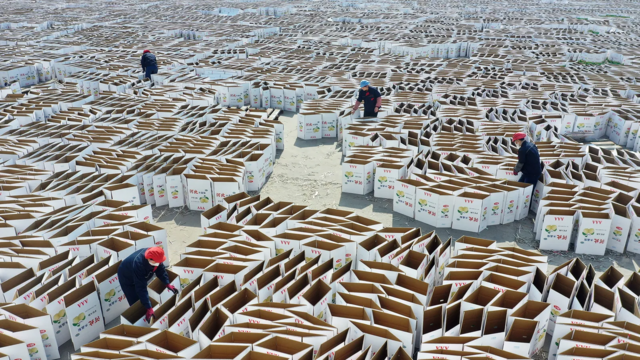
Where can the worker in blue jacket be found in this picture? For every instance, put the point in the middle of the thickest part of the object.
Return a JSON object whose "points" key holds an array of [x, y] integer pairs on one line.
{"points": [[135, 272], [149, 64], [371, 98], [528, 160]]}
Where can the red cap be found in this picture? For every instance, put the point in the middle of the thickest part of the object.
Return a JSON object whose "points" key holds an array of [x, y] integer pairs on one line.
{"points": [[519, 136], [156, 254], [146, 51]]}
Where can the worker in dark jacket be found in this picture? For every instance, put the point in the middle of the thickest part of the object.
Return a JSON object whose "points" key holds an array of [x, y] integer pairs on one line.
{"points": [[371, 98], [528, 160], [136, 271], [149, 64]]}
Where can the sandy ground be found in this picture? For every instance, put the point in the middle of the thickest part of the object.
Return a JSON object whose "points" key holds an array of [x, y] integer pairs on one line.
{"points": [[308, 172]]}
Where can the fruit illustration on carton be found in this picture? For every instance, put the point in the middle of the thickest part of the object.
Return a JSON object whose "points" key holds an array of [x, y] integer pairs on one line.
{"points": [[463, 210], [279, 251], [204, 199], [78, 319], [400, 193], [174, 194], [110, 294], [494, 209], [316, 129], [422, 202], [57, 318], [551, 228], [588, 231], [279, 140], [331, 128], [580, 125], [184, 282], [44, 337], [348, 174], [382, 179], [151, 191], [161, 192]]}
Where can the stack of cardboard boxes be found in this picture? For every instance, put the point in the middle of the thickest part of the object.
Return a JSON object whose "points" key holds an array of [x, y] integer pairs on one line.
{"points": [[279, 280]]}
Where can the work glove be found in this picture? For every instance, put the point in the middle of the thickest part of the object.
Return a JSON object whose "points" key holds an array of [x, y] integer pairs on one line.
{"points": [[172, 288], [149, 314]]}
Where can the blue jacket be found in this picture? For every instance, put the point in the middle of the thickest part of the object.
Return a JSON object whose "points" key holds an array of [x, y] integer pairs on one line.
{"points": [[369, 97], [135, 271], [529, 156], [148, 60]]}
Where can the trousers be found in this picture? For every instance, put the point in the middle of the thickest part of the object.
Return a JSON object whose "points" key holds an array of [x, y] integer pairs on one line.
{"points": [[150, 71], [370, 113]]}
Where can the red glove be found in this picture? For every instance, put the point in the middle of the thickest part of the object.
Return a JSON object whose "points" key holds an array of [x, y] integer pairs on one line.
{"points": [[172, 288], [149, 314]]}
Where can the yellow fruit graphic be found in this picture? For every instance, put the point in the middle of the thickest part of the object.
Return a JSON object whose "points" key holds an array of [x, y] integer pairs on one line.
{"points": [[44, 337], [268, 299], [382, 179], [331, 127], [78, 319], [587, 232], [250, 177], [316, 129], [422, 202], [307, 259], [204, 199], [463, 210], [368, 176], [351, 144], [551, 228], [580, 125], [161, 192], [279, 140], [174, 192], [111, 293], [321, 315], [400, 193], [184, 282], [181, 333], [279, 251], [59, 316], [348, 174], [347, 259], [33, 351], [617, 232], [495, 207]]}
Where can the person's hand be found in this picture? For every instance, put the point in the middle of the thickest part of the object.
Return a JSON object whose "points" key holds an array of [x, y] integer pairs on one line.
{"points": [[149, 314], [172, 288], [376, 109], [353, 112]]}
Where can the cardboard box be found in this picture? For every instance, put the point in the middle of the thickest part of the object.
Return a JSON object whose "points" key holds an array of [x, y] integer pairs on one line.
{"points": [[593, 233], [470, 212], [557, 229], [83, 308], [27, 315], [357, 176], [112, 299], [404, 198]]}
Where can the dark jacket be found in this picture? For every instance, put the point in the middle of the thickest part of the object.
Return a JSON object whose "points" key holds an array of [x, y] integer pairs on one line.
{"points": [[371, 97], [148, 60], [529, 157], [135, 271]]}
